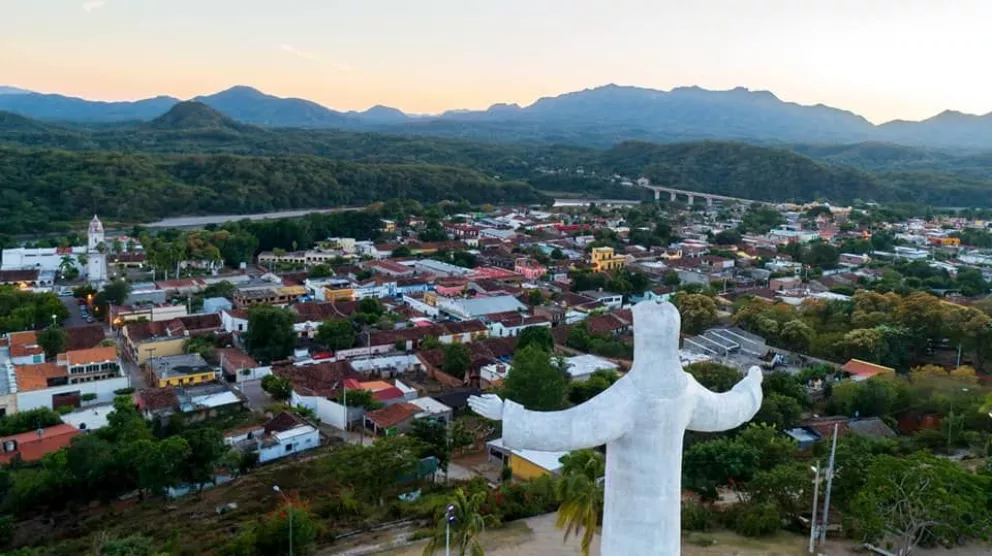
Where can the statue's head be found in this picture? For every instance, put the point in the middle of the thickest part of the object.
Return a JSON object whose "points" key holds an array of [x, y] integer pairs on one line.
{"points": [[656, 342]]}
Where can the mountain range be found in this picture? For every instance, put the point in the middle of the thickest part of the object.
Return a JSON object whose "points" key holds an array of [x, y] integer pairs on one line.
{"points": [[600, 116]]}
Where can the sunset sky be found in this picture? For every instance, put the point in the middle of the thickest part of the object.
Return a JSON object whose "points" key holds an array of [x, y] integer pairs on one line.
{"points": [[884, 59]]}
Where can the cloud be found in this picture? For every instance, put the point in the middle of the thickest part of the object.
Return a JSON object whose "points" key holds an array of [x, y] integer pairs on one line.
{"points": [[91, 5], [297, 52]]}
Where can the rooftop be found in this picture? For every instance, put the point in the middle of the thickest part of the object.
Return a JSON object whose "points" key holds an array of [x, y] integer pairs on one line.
{"points": [[35, 377], [861, 370], [33, 445], [393, 415], [92, 355], [179, 365]]}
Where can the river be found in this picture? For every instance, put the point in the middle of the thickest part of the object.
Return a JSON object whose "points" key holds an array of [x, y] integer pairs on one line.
{"points": [[200, 221]]}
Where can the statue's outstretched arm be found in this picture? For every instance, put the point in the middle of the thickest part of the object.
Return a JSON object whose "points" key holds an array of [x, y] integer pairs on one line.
{"points": [[720, 412], [597, 421]]}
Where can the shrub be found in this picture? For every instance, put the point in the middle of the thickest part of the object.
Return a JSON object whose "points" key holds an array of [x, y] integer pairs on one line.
{"points": [[697, 516], [64, 409], [757, 520], [123, 391], [87, 397]]}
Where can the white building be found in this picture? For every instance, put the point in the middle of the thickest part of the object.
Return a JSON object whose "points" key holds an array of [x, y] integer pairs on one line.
{"points": [[581, 367], [96, 249]]}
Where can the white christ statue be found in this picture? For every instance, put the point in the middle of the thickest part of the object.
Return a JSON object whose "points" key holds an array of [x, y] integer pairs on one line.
{"points": [[641, 419]]}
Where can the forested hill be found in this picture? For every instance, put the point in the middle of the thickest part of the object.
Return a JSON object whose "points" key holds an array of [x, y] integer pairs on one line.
{"points": [[46, 190], [773, 174], [195, 160]]}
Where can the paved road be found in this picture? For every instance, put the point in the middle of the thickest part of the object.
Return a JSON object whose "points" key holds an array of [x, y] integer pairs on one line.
{"points": [[75, 318]]}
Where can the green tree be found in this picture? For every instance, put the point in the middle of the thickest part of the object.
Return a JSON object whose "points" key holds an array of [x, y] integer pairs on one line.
{"points": [[922, 497], [370, 306], [773, 447], [336, 334], [270, 335], [116, 292], [206, 449], [26, 421], [457, 360], [535, 381], [52, 340], [280, 388], [360, 398], [714, 376], [797, 336], [709, 465], [159, 464], [580, 495], [469, 523], [433, 434], [223, 289], [698, 311], [599, 381], [377, 469], [272, 535], [320, 271], [539, 335]]}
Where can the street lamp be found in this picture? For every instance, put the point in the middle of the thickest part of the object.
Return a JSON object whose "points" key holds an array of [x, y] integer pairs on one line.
{"points": [[290, 512], [449, 519], [816, 495], [54, 318]]}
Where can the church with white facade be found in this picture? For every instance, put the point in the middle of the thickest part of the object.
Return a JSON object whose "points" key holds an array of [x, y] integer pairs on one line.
{"points": [[53, 259]]}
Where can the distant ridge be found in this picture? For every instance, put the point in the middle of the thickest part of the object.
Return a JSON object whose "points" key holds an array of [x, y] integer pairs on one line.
{"points": [[598, 116]]}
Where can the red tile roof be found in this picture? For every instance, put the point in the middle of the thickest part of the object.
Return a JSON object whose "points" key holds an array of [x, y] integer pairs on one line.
{"points": [[35, 377], [32, 447], [321, 379], [234, 360], [864, 369], [393, 415], [156, 399], [16, 276], [83, 337], [284, 421], [92, 355]]}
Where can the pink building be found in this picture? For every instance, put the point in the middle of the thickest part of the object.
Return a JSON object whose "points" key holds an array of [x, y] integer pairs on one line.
{"points": [[529, 268]]}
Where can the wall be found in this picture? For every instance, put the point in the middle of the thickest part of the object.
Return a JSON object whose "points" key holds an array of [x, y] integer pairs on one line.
{"points": [[164, 348], [198, 378], [299, 443], [523, 469], [104, 390], [8, 403], [328, 412]]}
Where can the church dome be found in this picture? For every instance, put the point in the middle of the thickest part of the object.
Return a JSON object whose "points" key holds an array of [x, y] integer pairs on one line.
{"points": [[96, 227]]}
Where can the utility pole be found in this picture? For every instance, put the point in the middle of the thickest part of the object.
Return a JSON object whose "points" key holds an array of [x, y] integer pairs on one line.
{"points": [[812, 521], [830, 483]]}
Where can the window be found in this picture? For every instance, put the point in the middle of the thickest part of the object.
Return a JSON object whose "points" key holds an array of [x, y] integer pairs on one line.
{"points": [[289, 447]]}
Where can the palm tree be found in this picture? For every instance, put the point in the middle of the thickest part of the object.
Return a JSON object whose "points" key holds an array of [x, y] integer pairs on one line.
{"points": [[468, 525], [580, 495]]}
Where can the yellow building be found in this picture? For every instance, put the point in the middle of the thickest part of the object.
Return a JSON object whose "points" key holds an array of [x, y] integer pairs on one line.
{"points": [[144, 340], [528, 464], [181, 370], [525, 464], [605, 258], [339, 294], [945, 241]]}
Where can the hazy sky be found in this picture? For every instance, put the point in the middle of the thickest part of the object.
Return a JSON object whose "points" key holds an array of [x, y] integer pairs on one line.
{"points": [[884, 59]]}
